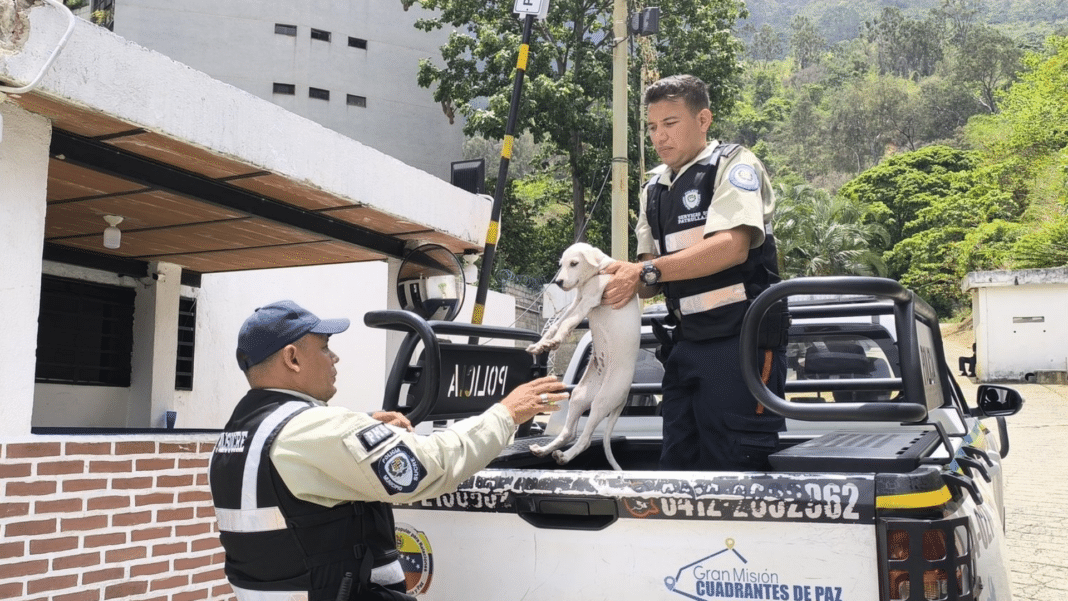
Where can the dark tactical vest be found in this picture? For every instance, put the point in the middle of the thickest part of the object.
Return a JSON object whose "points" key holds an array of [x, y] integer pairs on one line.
{"points": [[277, 546], [712, 306]]}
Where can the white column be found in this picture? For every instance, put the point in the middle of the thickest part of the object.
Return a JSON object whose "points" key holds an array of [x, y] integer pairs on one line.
{"points": [[24, 139], [155, 348]]}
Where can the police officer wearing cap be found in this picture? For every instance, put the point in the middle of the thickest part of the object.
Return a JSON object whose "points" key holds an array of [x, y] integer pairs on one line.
{"points": [[704, 240], [301, 489]]}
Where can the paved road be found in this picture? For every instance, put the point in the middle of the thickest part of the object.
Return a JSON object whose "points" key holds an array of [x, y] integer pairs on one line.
{"points": [[1036, 491]]}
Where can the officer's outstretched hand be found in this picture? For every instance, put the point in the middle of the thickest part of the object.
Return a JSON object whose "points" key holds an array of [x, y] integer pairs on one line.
{"points": [[623, 285], [538, 396], [393, 418]]}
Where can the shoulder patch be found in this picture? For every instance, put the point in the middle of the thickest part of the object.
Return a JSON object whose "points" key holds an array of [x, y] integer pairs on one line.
{"points": [[399, 470], [374, 436], [745, 177]]}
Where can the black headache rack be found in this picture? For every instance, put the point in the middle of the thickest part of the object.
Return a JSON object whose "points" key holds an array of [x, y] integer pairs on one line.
{"points": [[922, 384], [450, 380]]}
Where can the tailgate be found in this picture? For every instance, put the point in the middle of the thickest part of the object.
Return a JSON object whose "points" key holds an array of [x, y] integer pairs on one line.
{"points": [[511, 534]]}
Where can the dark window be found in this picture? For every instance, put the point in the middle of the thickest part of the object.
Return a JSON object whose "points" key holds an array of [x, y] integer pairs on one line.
{"points": [[319, 34], [285, 88], [84, 333], [285, 29], [187, 321], [317, 93], [355, 100], [358, 43]]}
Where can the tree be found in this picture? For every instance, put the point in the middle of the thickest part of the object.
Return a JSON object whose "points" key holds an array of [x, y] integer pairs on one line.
{"points": [[819, 235], [987, 61], [806, 43], [566, 96]]}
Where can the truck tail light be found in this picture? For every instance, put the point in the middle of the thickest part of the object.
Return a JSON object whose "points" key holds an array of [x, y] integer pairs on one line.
{"points": [[927, 560]]}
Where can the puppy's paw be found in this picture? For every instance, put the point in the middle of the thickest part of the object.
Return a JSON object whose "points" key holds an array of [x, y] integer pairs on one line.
{"points": [[561, 457], [538, 450], [542, 346]]}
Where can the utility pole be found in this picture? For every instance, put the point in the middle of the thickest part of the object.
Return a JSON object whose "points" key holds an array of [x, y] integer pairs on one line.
{"points": [[620, 164]]}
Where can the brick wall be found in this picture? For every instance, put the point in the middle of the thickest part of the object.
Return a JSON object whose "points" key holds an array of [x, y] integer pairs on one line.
{"points": [[89, 518]]}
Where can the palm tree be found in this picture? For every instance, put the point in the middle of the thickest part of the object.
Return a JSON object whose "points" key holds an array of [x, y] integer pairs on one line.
{"points": [[820, 235]]}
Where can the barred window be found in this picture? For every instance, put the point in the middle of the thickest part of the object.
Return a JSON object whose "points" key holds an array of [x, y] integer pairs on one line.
{"points": [[84, 333], [285, 29], [187, 321]]}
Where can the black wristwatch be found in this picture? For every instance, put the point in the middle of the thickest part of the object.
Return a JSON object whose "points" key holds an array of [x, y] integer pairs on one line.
{"points": [[650, 275]]}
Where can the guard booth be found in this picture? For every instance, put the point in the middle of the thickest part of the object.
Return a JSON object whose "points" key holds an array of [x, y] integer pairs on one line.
{"points": [[1021, 324]]}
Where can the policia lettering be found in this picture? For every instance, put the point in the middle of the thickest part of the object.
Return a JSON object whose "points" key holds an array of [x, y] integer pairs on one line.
{"points": [[712, 306], [278, 546]]}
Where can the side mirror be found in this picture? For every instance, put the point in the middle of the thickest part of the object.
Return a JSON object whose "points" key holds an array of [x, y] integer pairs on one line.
{"points": [[430, 283], [998, 401]]}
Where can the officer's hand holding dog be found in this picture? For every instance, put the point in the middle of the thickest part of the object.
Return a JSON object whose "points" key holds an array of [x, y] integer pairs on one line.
{"points": [[537, 396]]}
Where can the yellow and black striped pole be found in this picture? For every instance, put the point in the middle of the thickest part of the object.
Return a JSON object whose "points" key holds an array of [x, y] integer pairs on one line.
{"points": [[493, 233]]}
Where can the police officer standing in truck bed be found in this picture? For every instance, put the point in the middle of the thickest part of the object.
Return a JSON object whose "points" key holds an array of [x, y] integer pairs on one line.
{"points": [[704, 239], [301, 488]]}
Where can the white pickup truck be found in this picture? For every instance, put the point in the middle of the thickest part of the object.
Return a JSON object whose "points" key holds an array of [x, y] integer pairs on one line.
{"points": [[887, 484]]}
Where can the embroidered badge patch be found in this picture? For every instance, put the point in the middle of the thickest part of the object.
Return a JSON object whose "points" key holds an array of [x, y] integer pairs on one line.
{"points": [[374, 436], [691, 199], [745, 177], [400, 470]]}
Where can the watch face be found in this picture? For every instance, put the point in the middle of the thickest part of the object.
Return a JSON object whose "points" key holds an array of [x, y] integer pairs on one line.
{"points": [[650, 275]]}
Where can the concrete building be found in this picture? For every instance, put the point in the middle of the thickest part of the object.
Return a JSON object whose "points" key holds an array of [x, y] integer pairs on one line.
{"points": [[1021, 324], [228, 202], [350, 66]]}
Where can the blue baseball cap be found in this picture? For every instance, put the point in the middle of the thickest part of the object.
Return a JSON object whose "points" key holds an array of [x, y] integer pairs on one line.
{"points": [[271, 327]]}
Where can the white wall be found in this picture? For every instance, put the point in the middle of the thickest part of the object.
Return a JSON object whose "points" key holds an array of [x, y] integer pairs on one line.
{"points": [[23, 174], [1011, 350]]}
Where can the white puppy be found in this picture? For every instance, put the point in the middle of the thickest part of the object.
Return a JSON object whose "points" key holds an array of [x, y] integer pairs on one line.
{"points": [[605, 386]]}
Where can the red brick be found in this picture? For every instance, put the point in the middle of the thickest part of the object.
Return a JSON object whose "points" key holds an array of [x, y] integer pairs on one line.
{"points": [[207, 447], [150, 533], [173, 481], [76, 561], [202, 479], [40, 546], [193, 496], [88, 448], [222, 590], [24, 489], [209, 576], [207, 511], [55, 468], [193, 463], [10, 590], [192, 563], [171, 582], [31, 528], [169, 549], [140, 447], [159, 498], [191, 595], [150, 569], [112, 502], [191, 530], [125, 555], [8, 510], [84, 595], [60, 506], [94, 522], [84, 485], [131, 519], [105, 540], [205, 544], [181, 447], [132, 483], [24, 568], [103, 575], [174, 515], [9, 550], [33, 449], [15, 470], [52, 583], [156, 463], [110, 467], [125, 589]]}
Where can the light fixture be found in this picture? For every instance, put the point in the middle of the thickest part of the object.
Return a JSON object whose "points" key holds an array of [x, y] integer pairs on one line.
{"points": [[112, 234]]}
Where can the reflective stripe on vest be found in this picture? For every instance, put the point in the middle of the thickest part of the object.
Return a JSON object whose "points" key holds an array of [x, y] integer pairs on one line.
{"points": [[706, 301], [244, 594]]}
